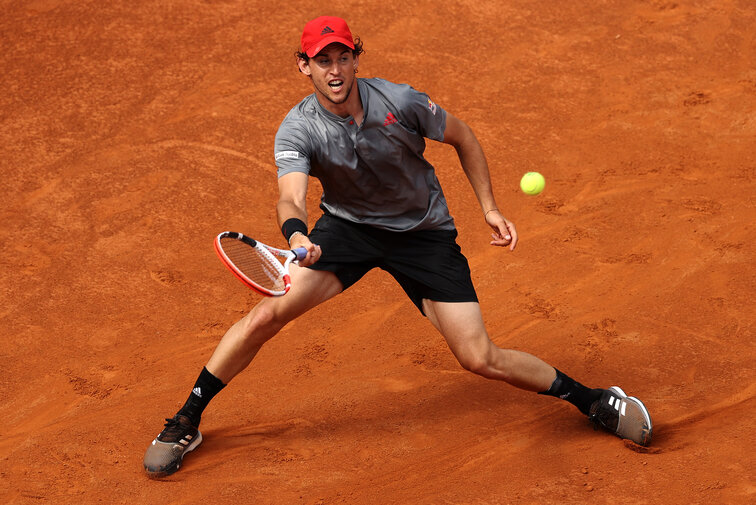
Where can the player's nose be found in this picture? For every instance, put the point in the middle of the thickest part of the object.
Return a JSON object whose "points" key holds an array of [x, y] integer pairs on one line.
{"points": [[334, 69]]}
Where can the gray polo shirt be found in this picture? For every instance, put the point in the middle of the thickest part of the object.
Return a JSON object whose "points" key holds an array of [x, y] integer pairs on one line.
{"points": [[373, 173]]}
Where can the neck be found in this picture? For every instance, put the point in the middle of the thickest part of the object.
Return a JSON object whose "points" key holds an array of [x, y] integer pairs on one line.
{"points": [[352, 106]]}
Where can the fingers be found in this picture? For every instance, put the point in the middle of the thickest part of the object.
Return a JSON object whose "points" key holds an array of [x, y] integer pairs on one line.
{"points": [[313, 255], [500, 241], [313, 251], [513, 234], [505, 234]]}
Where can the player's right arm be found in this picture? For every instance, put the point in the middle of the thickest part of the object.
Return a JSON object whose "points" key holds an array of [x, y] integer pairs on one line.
{"points": [[292, 204], [293, 150]]}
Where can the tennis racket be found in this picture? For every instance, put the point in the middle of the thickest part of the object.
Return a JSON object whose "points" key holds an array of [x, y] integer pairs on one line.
{"points": [[260, 267]]}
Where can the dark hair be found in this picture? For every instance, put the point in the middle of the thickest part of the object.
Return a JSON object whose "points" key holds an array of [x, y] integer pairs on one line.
{"points": [[358, 50]]}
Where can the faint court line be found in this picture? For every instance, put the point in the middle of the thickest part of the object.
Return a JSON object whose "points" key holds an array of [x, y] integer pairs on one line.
{"points": [[217, 149], [699, 335]]}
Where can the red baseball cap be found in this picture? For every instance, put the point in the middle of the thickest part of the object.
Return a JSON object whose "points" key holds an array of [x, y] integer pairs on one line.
{"points": [[325, 30]]}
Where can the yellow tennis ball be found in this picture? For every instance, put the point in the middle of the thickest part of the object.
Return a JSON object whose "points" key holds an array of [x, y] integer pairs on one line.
{"points": [[532, 183]]}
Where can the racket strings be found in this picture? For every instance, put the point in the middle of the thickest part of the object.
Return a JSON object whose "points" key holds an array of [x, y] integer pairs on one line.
{"points": [[260, 266]]}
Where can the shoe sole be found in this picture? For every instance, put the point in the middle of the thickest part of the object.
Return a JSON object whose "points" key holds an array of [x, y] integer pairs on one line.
{"points": [[638, 426], [174, 466], [643, 437]]}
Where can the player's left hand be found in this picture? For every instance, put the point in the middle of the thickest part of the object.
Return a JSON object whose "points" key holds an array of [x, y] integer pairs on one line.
{"points": [[504, 231]]}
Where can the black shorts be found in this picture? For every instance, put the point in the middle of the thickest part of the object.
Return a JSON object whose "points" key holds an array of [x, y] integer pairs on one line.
{"points": [[427, 264]]}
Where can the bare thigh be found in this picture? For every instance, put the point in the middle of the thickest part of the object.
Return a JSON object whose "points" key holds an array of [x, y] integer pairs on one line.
{"points": [[461, 324], [309, 288], [244, 339]]}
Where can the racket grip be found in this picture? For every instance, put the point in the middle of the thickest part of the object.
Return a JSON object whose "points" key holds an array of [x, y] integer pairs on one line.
{"points": [[301, 252]]}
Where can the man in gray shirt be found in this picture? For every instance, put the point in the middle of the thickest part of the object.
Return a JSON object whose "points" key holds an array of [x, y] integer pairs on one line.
{"points": [[382, 207], [373, 171]]}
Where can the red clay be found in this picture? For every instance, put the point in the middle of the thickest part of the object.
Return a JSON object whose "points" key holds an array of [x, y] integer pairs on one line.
{"points": [[132, 133]]}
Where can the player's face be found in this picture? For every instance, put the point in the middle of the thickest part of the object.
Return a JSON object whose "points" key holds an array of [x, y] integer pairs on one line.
{"points": [[332, 71]]}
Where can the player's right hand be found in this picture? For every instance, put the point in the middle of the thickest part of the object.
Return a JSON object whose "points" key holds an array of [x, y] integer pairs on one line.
{"points": [[313, 251]]}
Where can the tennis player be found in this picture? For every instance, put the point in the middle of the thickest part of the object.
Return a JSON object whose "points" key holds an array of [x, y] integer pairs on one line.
{"points": [[383, 208]]}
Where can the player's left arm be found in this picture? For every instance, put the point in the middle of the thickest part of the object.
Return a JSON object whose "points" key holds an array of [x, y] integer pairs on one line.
{"points": [[473, 160]]}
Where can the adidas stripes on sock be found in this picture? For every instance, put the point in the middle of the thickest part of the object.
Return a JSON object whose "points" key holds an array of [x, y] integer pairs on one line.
{"points": [[568, 389], [206, 387]]}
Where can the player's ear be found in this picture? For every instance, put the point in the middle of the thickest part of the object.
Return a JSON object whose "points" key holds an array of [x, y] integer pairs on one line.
{"points": [[304, 66], [356, 63]]}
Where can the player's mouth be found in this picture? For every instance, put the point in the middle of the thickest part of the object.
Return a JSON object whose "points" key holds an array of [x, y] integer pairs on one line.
{"points": [[336, 85]]}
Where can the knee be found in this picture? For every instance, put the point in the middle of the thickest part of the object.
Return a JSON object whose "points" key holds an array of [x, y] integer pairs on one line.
{"points": [[490, 362], [261, 323], [475, 364], [477, 359]]}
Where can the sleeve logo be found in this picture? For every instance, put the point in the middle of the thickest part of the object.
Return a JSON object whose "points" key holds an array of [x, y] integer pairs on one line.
{"points": [[287, 154], [432, 106]]}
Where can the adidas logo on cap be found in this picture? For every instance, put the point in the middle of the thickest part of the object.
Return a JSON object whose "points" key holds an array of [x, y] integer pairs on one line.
{"points": [[326, 30]]}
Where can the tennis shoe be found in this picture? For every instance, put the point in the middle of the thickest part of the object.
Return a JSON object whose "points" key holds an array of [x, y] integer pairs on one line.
{"points": [[623, 415], [165, 453]]}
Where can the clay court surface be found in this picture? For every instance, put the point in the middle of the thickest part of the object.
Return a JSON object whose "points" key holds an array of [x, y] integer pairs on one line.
{"points": [[134, 132]]}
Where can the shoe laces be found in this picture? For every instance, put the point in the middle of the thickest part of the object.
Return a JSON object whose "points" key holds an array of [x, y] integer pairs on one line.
{"points": [[594, 420], [171, 422], [602, 417], [593, 417], [174, 429]]}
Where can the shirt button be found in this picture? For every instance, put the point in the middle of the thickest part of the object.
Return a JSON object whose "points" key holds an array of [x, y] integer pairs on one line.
{"points": [[351, 122]]}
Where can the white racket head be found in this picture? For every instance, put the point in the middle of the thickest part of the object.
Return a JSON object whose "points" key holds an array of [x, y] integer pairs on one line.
{"points": [[258, 266]]}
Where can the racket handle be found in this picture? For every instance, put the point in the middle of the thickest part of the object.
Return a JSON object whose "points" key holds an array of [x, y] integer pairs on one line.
{"points": [[301, 252]]}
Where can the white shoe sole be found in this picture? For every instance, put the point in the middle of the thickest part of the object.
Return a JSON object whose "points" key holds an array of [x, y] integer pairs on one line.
{"points": [[172, 447], [634, 420]]}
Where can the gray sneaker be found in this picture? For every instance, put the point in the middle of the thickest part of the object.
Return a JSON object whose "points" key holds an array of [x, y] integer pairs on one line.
{"points": [[623, 415], [164, 455]]}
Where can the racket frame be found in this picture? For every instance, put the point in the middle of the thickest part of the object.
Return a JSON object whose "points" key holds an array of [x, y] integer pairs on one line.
{"points": [[265, 250]]}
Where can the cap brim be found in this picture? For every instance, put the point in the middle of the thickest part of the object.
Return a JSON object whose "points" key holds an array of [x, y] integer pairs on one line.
{"points": [[329, 40]]}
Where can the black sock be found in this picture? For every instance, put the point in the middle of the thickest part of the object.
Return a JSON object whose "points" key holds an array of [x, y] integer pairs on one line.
{"points": [[206, 387], [568, 389]]}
